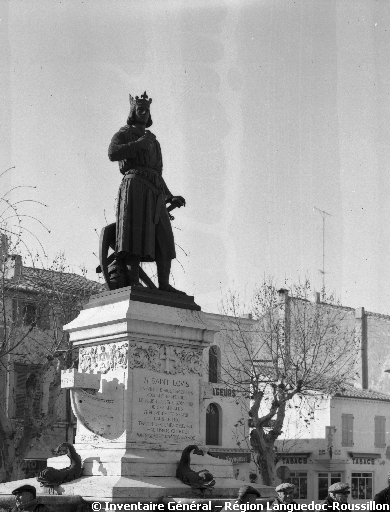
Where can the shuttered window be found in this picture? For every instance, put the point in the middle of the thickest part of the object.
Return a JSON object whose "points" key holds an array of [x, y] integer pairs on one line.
{"points": [[212, 425], [380, 431], [20, 393], [347, 430], [213, 364], [15, 311], [44, 318], [22, 372]]}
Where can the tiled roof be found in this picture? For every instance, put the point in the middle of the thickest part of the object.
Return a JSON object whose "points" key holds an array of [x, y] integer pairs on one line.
{"points": [[365, 394], [42, 280]]}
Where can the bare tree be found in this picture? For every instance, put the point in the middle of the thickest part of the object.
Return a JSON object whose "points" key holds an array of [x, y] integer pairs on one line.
{"points": [[35, 302], [295, 350], [34, 307]]}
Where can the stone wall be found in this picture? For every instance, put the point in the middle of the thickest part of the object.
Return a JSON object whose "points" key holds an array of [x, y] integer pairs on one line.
{"points": [[378, 336]]}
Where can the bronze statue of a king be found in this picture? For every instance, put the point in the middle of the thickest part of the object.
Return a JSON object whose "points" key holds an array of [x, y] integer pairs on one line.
{"points": [[143, 229]]}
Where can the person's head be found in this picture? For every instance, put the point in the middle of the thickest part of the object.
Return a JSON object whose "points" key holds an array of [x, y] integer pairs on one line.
{"points": [[247, 494], [285, 492], [339, 492], [140, 111], [24, 494]]}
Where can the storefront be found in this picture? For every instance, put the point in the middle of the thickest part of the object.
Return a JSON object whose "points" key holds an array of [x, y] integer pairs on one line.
{"points": [[312, 474], [240, 459], [32, 467]]}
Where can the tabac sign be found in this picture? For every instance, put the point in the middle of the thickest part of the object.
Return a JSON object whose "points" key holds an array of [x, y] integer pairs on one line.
{"points": [[364, 458], [294, 458]]}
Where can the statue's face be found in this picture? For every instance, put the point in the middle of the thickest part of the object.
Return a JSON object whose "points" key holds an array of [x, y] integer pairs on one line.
{"points": [[142, 114]]}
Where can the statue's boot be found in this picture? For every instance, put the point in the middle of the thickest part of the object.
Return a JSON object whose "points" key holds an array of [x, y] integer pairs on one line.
{"points": [[133, 263], [117, 273], [163, 272]]}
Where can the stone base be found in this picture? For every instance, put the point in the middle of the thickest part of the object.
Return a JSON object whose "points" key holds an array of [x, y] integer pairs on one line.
{"points": [[146, 476], [143, 294], [131, 490], [140, 463]]}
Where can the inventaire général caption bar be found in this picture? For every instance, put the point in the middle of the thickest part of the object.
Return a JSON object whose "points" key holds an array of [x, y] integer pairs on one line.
{"points": [[209, 506]]}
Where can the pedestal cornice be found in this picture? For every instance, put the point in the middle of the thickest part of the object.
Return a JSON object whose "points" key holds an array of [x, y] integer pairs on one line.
{"points": [[125, 319]]}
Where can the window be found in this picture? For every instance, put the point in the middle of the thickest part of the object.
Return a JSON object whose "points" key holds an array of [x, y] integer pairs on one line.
{"points": [[214, 364], [22, 373], [347, 430], [29, 313], [212, 425], [361, 486], [380, 431], [299, 479], [24, 312], [325, 480]]}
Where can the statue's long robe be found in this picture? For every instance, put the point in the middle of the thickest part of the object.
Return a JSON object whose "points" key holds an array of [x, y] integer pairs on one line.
{"points": [[139, 231]]}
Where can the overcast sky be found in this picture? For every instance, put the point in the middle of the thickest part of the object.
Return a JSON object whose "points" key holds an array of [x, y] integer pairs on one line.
{"points": [[264, 110]]}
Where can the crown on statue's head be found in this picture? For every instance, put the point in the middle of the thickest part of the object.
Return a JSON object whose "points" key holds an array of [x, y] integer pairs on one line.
{"points": [[143, 100]]}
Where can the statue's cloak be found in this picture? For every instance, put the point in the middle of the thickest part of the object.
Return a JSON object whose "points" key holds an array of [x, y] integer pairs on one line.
{"points": [[142, 222]]}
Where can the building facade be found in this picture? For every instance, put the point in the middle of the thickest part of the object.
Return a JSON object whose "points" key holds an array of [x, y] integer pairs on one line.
{"points": [[223, 409], [35, 304], [347, 440]]}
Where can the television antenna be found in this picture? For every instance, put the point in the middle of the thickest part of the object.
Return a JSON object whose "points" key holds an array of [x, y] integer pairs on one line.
{"points": [[323, 214]]}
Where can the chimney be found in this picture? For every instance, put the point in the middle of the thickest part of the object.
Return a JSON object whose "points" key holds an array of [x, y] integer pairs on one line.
{"points": [[3, 247], [14, 266], [361, 330], [316, 297], [284, 317]]}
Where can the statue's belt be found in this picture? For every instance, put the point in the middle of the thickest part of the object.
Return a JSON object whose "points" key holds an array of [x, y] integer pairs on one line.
{"points": [[158, 191]]}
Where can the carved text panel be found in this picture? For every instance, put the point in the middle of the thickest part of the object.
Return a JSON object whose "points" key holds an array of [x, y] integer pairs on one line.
{"points": [[165, 407]]}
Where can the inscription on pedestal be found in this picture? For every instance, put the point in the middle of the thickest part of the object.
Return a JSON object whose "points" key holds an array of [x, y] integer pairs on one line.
{"points": [[165, 407]]}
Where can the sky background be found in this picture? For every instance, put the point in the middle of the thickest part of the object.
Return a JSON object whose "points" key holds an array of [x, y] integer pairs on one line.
{"points": [[264, 110]]}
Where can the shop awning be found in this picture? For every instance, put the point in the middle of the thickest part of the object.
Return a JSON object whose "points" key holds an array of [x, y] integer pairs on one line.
{"points": [[234, 456], [364, 455]]}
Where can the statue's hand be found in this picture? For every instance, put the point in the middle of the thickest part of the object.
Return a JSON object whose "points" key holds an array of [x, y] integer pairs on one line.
{"points": [[178, 201], [143, 142]]}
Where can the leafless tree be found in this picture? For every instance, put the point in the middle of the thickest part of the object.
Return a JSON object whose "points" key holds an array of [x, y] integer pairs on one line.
{"points": [[296, 349], [36, 300]]}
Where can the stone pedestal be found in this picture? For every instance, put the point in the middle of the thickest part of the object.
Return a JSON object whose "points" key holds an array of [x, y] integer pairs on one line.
{"points": [[138, 397]]}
